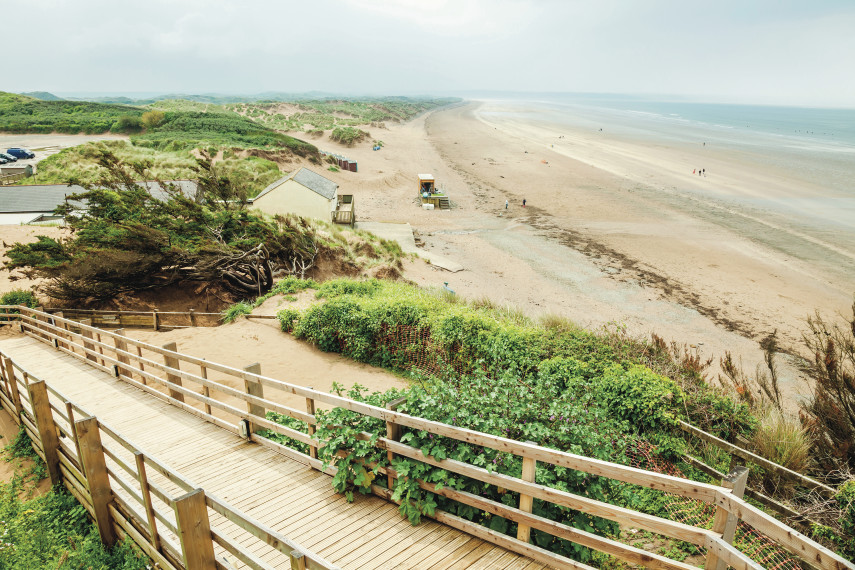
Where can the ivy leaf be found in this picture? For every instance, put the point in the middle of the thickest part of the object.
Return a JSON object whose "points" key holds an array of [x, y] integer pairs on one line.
{"points": [[499, 524]]}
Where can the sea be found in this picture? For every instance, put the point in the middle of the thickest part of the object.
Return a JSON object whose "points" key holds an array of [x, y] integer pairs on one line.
{"points": [[812, 145]]}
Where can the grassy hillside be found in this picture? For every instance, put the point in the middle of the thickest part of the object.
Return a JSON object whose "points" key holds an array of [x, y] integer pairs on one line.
{"points": [[186, 130], [22, 114], [325, 115]]}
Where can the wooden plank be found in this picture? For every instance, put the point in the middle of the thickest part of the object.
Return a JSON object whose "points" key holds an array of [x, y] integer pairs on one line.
{"points": [[254, 389], [146, 496], [87, 333], [310, 427], [121, 349], [140, 540], [788, 538], [529, 468], [170, 361], [624, 552], [725, 522], [13, 387], [756, 459], [47, 429], [194, 530], [597, 508], [729, 556], [95, 470]]}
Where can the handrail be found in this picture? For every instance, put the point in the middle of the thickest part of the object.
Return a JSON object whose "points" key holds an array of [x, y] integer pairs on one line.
{"points": [[122, 509], [796, 543]]}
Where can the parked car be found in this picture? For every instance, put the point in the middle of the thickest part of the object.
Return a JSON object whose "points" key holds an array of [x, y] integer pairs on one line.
{"points": [[3, 159], [8, 157], [20, 153]]}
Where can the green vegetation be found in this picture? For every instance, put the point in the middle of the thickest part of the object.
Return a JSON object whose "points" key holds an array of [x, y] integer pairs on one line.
{"points": [[20, 114], [19, 297], [348, 135], [79, 164], [313, 115], [54, 530], [128, 240], [188, 130], [491, 369]]}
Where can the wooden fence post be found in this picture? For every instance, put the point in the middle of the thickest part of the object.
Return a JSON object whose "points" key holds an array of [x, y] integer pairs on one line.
{"points": [[192, 317], [310, 409], [203, 372], [172, 362], [146, 495], [298, 560], [725, 522], [5, 377], [529, 469], [122, 345], [155, 324], [254, 388], [88, 346], [13, 387], [194, 530], [47, 429], [393, 432], [64, 326], [95, 469]]}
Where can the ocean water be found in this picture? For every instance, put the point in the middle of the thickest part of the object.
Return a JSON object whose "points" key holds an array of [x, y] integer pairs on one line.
{"points": [[815, 145], [812, 148]]}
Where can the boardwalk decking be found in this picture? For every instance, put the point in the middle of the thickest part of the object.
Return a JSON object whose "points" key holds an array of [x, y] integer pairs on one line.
{"points": [[291, 498]]}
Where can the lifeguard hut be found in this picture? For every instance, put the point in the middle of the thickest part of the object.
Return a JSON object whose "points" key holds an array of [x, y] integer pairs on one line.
{"points": [[430, 194]]}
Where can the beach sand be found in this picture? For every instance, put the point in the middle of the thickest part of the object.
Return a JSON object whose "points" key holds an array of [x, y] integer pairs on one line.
{"points": [[615, 234]]}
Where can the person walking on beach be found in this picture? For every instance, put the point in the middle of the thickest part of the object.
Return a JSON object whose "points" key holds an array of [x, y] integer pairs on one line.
{"points": [[506, 204], [523, 202]]}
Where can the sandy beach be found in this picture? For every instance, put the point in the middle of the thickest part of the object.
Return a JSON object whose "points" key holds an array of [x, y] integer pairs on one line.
{"points": [[616, 233]]}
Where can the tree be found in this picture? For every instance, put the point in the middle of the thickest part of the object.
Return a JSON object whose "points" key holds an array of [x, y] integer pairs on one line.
{"points": [[124, 238]]}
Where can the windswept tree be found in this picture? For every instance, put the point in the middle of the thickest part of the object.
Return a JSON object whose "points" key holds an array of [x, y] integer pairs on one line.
{"points": [[131, 231]]}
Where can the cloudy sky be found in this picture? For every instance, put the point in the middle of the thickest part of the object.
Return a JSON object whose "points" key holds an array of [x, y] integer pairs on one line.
{"points": [[756, 51]]}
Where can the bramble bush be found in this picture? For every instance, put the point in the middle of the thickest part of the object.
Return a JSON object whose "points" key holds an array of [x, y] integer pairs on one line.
{"points": [[562, 388]]}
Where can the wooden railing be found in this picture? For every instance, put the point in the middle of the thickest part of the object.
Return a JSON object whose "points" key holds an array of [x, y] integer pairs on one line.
{"points": [[159, 369], [156, 320], [740, 455], [129, 493]]}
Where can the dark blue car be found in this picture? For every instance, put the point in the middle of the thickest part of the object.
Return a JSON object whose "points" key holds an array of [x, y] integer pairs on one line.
{"points": [[20, 153]]}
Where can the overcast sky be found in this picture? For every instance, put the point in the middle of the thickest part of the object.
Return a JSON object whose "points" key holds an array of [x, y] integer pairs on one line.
{"points": [[798, 52]]}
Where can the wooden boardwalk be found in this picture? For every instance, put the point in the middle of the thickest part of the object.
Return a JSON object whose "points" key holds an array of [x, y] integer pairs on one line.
{"points": [[287, 496]]}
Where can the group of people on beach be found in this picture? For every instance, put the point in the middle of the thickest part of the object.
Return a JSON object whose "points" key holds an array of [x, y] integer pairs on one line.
{"points": [[700, 171], [506, 203]]}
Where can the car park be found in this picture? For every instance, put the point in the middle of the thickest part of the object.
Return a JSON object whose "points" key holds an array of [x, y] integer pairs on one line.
{"points": [[7, 157], [20, 153]]}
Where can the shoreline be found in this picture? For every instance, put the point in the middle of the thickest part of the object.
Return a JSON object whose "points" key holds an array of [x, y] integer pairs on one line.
{"points": [[650, 241]]}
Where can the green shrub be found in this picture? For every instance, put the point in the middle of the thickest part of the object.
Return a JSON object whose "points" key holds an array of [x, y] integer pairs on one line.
{"points": [[288, 318], [127, 124], [236, 311], [54, 531], [19, 297]]}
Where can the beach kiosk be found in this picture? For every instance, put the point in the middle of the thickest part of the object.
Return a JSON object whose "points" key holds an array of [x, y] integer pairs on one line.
{"points": [[429, 193]]}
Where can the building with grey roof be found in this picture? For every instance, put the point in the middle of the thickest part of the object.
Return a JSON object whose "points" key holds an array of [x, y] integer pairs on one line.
{"points": [[303, 193]]}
